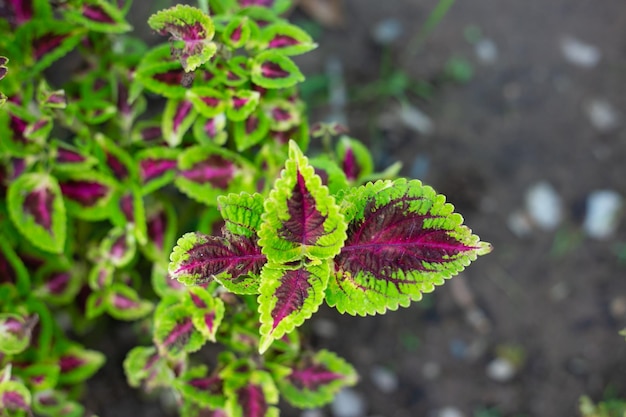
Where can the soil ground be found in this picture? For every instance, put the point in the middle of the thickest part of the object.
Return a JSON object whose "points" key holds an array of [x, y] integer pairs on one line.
{"points": [[555, 298]]}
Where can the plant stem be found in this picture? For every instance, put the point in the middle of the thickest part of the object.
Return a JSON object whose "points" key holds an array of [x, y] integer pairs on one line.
{"points": [[204, 5], [431, 23]]}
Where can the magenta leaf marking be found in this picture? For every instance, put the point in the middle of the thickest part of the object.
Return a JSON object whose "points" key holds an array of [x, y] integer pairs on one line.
{"points": [[119, 248], [171, 77], [350, 165], [156, 228], [18, 127], [127, 206], [281, 115], [86, 193], [97, 13], [281, 41], [69, 363], [58, 282], [262, 3], [124, 303], [252, 400], [212, 256], [306, 223], [119, 169], [152, 168], [239, 102], [312, 377], [216, 170], [46, 43], [291, 294], [211, 384], [22, 10], [151, 133], [182, 111], [273, 70], [14, 400], [197, 301], [180, 333], [38, 204], [69, 156]]}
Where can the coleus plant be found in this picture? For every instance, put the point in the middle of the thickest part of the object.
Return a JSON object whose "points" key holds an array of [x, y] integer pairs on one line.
{"points": [[103, 169]]}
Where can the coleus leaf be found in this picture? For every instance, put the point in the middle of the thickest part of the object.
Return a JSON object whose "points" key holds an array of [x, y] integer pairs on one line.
{"points": [[332, 176], [39, 376], [163, 284], [101, 275], [301, 219], [77, 364], [206, 172], [271, 69], [164, 78], [115, 158], [37, 210], [191, 32], [51, 99], [207, 311], [69, 158], [237, 32], [14, 396], [277, 6], [174, 332], [252, 398], [39, 130], [144, 367], [314, 380], [130, 213], [241, 213], [241, 104], [58, 284], [88, 194], [403, 239], [123, 303], [289, 297], [15, 332], [57, 403], [283, 114], [287, 38], [12, 269], [235, 261], [178, 117], [198, 386], [13, 123], [157, 167], [251, 131], [207, 101], [161, 227], [94, 111], [147, 133], [118, 247], [99, 16], [211, 130], [356, 159]]}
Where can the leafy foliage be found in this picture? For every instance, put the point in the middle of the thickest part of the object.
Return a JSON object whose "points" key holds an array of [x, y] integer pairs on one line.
{"points": [[96, 189]]}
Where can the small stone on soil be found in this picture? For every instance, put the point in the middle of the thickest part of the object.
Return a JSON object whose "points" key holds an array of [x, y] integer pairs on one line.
{"points": [[384, 379], [580, 53], [519, 224], [501, 370], [544, 206], [450, 412], [486, 51], [602, 213], [387, 31], [414, 119], [431, 370], [602, 115], [348, 403]]}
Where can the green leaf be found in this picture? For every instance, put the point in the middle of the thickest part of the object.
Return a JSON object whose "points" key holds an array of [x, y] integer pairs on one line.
{"points": [[39, 376], [237, 32], [356, 160], [207, 101], [207, 311], [174, 332], [98, 16], [178, 117], [37, 210], [144, 367], [78, 364], [251, 131], [301, 219], [403, 240], [252, 396], [190, 32], [241, 104], [198, 386], [241, 213], [88, 195], [14, 396], [287, 38], [15, 332], [207, 172], [164, 78], [273, 70], [289, 297], [211, 131], [314, 380], [118, 247], [123, 303]]}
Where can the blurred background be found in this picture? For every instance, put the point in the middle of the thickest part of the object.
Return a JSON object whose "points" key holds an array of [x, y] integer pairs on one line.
{"points": [[516, 110]]}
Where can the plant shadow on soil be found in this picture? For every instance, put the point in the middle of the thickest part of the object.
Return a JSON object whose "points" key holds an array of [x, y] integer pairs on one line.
{"points": [[555, 296]]}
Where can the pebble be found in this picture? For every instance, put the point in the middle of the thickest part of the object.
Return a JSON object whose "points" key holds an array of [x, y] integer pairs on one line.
{"points": [[602, 115], [348, 403], [519, 223], [387, 31], [458, 349], [486, 51], [544, 206], [414, 119], [617, 307], [431, 370], [602, 213], [450, 412], [384, 379], [580, 53], [312, 413], [501, 370]]}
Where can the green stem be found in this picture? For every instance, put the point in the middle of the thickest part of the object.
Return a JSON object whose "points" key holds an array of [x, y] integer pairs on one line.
{"points": [[431, 23], [204, 6]]}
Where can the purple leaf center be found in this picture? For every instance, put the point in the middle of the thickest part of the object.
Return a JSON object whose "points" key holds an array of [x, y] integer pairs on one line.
{"points": [[291, 294], [180, 333], [306, 223], [252, 401], [152, 168], [69, 362], [68, 156], [350, 165], [212, 384], [262, 3], [119, 169], [87, 193], [312, 377], [215, 170], [97, 13], [252, 123], [38, 204], [236, 35], [124, 303], [46, 43], [197, 301], [127, 205], [280, 115], [239, 102], [14, 400], [210, 101], [182, 111], [57, 283], [119, 248], [273, 70], [281, 41], [172, 77]]}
